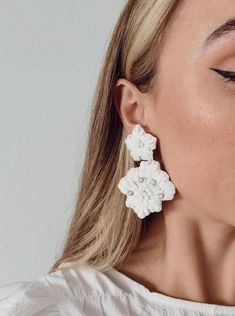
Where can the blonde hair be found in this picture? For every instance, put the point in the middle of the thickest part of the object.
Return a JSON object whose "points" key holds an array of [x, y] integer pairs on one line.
{"points": [[103, 231]]}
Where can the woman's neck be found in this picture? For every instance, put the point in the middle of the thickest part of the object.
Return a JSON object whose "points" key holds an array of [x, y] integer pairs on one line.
{"points": [[187, 255]]}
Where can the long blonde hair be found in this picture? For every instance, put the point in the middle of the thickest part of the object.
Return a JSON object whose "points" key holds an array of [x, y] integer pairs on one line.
{"points": [[103, 231]]}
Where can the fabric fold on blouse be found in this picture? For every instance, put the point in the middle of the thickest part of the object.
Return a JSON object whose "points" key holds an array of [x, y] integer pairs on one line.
{"points": [[85, 291]]}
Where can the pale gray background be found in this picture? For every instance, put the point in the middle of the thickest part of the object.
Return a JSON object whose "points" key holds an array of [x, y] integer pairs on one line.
{"points": [[50, 56]]}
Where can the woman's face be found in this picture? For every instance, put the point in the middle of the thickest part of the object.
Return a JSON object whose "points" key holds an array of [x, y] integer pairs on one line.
{"points": [[194, 113]]}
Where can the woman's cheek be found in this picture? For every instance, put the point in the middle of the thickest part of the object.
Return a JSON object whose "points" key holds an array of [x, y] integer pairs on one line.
{"points": [[195, 137]]}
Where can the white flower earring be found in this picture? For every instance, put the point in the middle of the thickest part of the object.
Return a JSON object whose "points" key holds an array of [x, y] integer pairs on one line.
{"points": [[145, 186]]}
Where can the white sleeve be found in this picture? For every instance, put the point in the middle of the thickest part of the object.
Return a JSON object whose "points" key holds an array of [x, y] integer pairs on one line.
{"points": [[9, 289], [27, 298]]}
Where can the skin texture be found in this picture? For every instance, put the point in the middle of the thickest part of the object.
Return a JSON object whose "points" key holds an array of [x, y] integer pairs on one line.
{"points": [[189, 249]]}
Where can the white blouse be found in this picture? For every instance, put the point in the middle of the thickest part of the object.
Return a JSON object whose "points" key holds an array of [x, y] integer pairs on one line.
{"points": [[88, 292]]}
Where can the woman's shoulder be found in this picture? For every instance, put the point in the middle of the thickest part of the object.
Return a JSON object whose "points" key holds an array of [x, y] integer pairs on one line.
{"points": [[49, 294], [28, 298], [66, 291]]}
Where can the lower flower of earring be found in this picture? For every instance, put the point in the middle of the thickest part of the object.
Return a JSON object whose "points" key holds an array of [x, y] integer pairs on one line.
{"points": [[146, 187]]}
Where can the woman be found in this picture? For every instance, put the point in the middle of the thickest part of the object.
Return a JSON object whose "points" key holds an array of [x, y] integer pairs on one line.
{"points": [[165, 247]]}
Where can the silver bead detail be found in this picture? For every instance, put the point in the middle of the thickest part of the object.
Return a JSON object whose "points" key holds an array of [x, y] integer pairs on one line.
{"points": [[141, 179], [129, 192], [161, 195]]}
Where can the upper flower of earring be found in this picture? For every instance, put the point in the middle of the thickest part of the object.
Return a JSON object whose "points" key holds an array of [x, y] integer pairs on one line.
{"points": [[140, 144]]}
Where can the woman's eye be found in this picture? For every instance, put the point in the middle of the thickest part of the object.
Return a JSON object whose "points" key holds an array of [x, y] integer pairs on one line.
{"points": [[229, 75]]}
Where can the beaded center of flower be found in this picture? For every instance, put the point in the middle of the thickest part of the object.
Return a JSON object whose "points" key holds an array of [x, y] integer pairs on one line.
{"points": [[149, 188]]}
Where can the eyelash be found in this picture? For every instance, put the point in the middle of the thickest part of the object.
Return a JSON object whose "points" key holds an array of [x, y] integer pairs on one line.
{"points": [[229, 75]]}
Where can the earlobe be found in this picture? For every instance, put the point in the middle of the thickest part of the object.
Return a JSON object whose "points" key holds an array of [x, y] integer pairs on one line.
{"points": [[129, 104]]}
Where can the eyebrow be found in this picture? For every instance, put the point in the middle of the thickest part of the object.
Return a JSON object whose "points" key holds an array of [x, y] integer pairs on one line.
{"points": [[221, 31]]}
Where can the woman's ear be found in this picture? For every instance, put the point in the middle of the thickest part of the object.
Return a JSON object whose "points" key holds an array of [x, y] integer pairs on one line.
{"points": [[130, 104]]}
